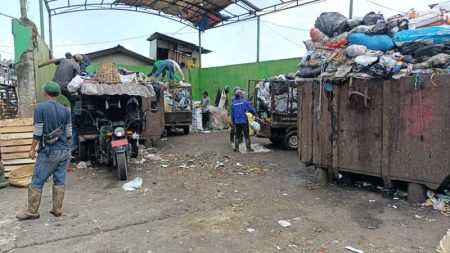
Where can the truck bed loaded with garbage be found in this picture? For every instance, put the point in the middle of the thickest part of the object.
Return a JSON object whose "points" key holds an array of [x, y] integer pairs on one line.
{"points": [[373, 98]]}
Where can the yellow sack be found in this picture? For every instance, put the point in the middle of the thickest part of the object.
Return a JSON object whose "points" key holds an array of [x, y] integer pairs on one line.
{"points": [[250, 118]]}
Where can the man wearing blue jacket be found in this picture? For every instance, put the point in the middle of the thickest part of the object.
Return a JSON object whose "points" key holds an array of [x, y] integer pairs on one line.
{"points": [[239, 108]]}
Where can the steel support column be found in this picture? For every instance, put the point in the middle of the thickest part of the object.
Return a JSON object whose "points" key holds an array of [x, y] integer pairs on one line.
{"points": [[200, 49], [258, 27], [350, 15], [41, 16], [50, 32], [23, 8]]}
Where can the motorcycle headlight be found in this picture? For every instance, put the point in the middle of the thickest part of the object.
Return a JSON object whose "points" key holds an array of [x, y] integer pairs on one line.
{"points": [[119, 131]]}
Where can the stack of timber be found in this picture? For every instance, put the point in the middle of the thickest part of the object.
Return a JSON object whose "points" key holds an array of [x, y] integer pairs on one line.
{"points": [[16, 136]]}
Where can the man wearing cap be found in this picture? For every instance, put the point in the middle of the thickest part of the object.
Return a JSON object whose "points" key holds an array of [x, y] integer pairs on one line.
{"points": [[52, 132], [239, 107]]}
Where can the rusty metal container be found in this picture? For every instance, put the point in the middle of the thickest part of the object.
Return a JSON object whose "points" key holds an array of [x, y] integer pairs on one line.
{"points": [[394, 129]]}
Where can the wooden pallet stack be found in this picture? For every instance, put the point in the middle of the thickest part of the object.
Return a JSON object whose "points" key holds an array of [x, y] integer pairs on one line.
{"points": [[16, 136]]}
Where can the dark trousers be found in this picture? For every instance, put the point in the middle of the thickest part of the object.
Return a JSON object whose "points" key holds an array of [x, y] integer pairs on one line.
{"points": [[243, 127], [205, 119], [72, 99]]}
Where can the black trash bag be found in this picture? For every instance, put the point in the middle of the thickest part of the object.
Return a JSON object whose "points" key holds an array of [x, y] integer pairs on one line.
{"points": [[290, 76], [331, 23], [218, 95], [308, 72], [352, 23], [424, 53], [397, 25], [372, 18], [380, 28], [378, 71], [410, 48]]}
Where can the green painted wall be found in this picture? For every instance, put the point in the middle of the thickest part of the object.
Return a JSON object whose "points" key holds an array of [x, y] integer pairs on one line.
{"points": [[22, 38], [211, 79], [44, 74]]}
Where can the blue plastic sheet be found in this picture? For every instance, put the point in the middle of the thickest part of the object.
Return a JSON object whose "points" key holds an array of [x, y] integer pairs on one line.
{"points": [[431, 35], [373, 42]]}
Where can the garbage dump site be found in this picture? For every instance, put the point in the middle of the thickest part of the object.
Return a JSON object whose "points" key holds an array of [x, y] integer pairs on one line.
{"points": [[346, 151]]}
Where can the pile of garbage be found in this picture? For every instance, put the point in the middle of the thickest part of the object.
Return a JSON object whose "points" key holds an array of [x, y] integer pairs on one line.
{"points": [[177, 97], [284, 99], [414, 43]]}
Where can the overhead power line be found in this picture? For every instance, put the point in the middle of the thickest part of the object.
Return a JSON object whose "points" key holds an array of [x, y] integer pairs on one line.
{"points": [[288, 27], [287, 39], [119, 40], [386, 7], [6, 15]]}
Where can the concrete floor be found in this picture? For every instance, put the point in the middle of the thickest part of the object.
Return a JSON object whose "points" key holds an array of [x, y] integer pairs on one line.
{"points": [[204, 207]]}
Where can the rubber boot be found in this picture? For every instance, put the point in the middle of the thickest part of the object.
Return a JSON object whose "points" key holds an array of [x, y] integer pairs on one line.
{"points": [[236, 145], [58, 198], [248, 144], [34, 201], [3, 182]]}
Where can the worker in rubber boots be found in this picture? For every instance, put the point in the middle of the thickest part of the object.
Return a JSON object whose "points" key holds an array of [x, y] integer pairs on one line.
{"points": [[239, 107], [52, 132]]}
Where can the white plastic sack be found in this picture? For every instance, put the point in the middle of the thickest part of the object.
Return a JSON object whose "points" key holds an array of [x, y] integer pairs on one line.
{"points": [[75, 83], [256, 126], [223, 98], [128, 79], [133, 184], [365, 60], [387, 62], [197, 118], [355, 50]]}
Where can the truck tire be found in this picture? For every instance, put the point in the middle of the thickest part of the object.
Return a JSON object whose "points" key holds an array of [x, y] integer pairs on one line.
{"points": [[121, 166], [291, 140], [276, 140], [83, 151]]}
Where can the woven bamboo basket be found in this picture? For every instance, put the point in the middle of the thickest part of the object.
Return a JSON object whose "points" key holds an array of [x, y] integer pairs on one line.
{"points": [[107, 73], [22, 176]]}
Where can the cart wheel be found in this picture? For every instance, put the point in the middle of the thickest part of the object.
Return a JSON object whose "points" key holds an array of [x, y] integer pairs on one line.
{"points": [[121, 166], [186, 129], [291, 140]]}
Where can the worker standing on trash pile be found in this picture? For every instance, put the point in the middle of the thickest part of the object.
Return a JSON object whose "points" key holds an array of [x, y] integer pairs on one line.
{"points": [[163, 66], [66, 71], [52, 132], [205, 110], [239, 107]]}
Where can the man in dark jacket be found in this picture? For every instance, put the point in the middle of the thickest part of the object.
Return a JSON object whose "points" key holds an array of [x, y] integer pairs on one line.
{"points": [[239, 109], [52, 132]]}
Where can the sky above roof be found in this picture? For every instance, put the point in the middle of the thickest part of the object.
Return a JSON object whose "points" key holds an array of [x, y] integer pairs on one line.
{"points": [[281, 33]]}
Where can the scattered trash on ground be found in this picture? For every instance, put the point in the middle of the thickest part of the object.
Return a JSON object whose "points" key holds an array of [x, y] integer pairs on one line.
{"points": [[164, 166], [444, 244], [219, 165], [350, 248], [82, 165], [251, 230], [132, 185], [284, 223], [439, 202]]}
